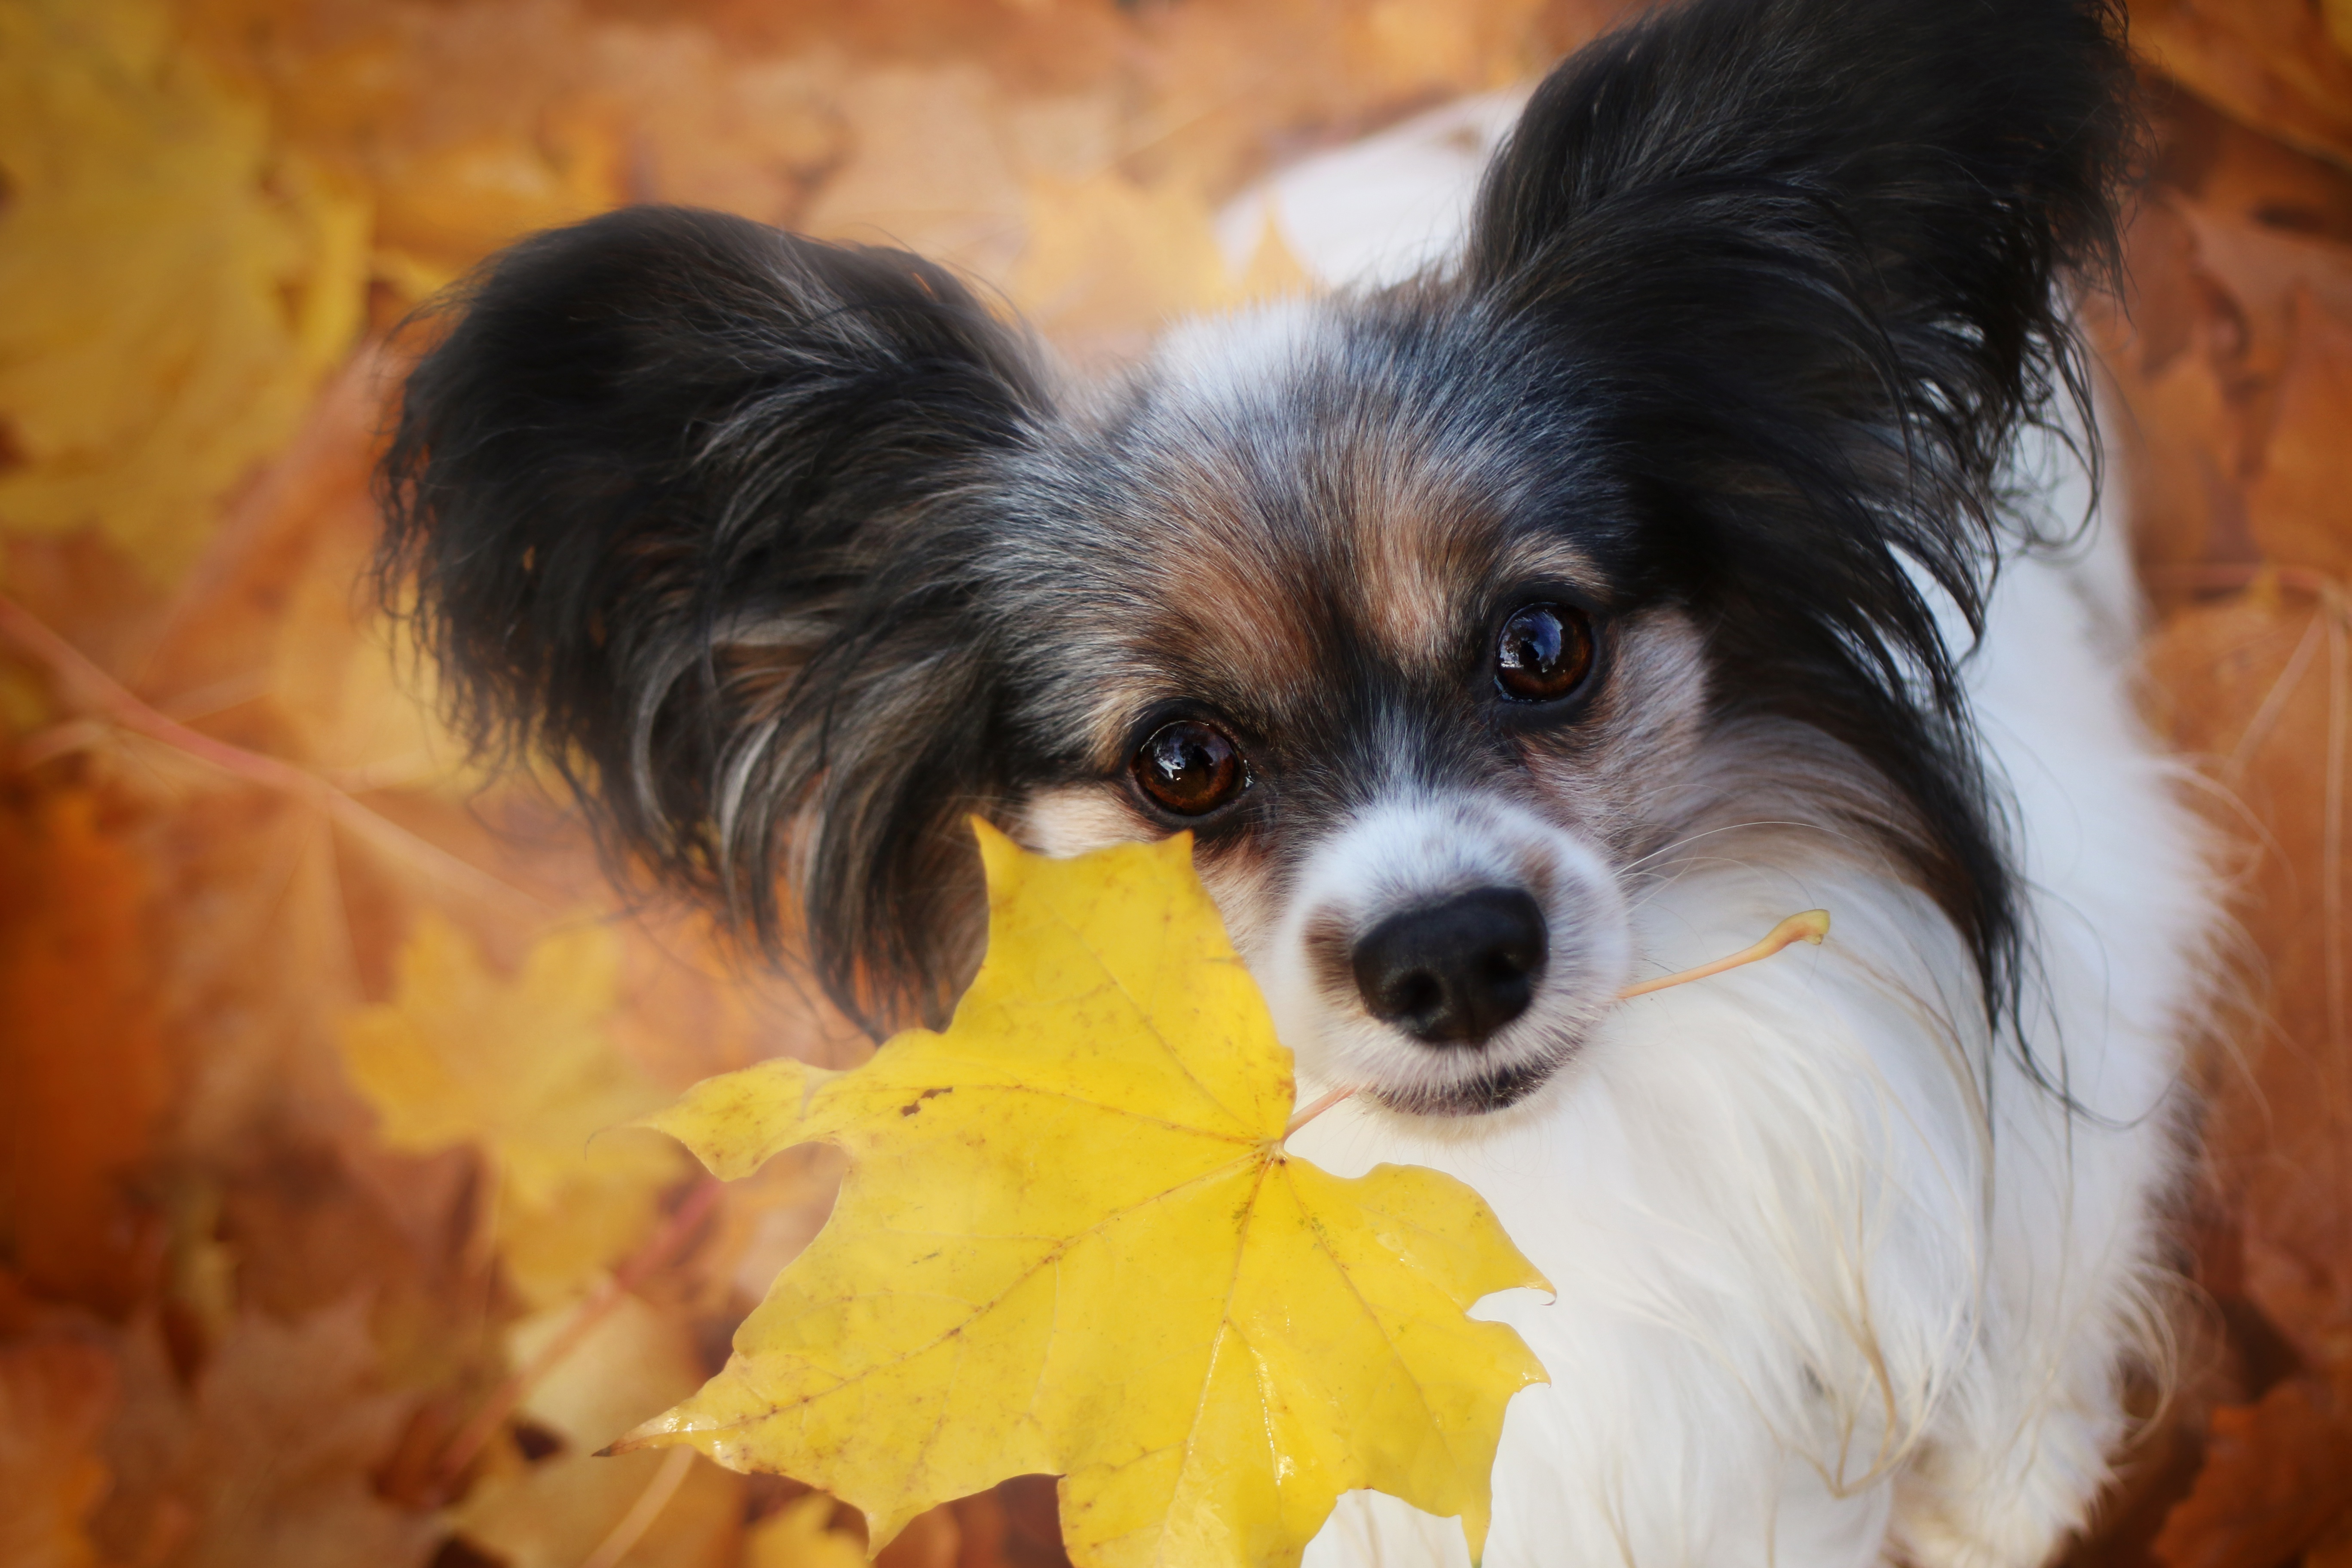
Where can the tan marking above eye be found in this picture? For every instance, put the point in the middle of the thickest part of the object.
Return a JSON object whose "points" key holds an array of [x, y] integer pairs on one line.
{"points": [[1077, 819]]}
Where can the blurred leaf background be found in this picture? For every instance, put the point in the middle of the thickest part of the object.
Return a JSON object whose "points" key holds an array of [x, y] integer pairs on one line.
{"points": [[310, 1251]]}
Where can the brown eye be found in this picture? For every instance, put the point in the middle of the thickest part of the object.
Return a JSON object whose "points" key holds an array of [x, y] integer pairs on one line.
{"points": [[1543, 653], [1189, 767]]}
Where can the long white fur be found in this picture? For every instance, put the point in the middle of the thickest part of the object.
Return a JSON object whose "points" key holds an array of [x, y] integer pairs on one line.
{"points": [[1836, 1279]]}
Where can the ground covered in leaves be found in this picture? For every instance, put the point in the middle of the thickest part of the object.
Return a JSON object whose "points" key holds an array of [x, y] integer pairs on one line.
{"points": [[307, 1257]]}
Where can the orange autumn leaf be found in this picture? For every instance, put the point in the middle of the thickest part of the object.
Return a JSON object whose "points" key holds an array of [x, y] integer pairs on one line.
{"points": [[289, 1423], [56, 1394], [2295, 505], [85, 1074], [2280, 65], [2274, 1481]]}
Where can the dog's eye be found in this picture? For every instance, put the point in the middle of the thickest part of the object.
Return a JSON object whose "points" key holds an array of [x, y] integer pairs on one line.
{"points": [[1543, 653], [1189, 767]]}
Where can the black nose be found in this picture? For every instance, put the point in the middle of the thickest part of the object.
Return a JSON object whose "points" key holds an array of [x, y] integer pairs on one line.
{"points": [[1454, 972]]}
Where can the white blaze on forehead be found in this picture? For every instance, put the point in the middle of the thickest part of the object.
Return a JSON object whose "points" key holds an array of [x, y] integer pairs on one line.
{"points": [[1421, 847], [1227, 362]]}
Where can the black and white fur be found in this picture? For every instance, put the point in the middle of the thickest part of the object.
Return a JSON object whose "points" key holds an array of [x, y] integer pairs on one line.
{"points": [[793, 555]]}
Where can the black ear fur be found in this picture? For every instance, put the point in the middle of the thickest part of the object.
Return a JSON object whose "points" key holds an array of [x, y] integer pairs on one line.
{"points": [[1805, 258], [683, 499]]}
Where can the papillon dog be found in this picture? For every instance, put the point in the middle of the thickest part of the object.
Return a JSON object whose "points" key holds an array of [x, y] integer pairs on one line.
{"points": [[1706, 535]]}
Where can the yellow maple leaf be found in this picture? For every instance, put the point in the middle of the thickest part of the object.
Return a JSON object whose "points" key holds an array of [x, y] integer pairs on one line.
{"points": [[194, 281], [1070, 1240], [525, 1069], [800, 1535]]}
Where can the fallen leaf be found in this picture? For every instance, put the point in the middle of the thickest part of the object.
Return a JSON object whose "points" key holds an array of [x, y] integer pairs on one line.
{"points": [[955, 199], [446, 204], [2258, 683], [2334, 1548], [632, 1364], [363, 715], [144, 1517], [2274, 64], [55, 1396], [2300, 502], [565, 1510], [290, 1423], [2277, 1474], [84, 1077], [552, 1513], [800, 1535], [200, 194], [1106, 253], [525, 1069], [195, 282], [1070, 1241], [299, 1230]]}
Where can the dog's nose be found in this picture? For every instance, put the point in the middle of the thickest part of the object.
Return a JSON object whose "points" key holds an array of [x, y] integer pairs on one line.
{"points": [[1455, 972]]}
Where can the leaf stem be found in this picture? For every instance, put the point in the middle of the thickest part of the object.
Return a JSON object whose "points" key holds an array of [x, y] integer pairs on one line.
{"points": [[1811, 926], [658, 1249], [643, 1511], [1315, 1110]]}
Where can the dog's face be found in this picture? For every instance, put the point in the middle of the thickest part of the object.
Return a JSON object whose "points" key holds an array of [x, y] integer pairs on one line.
{"points": [[1366, 636], [1434, 613]]}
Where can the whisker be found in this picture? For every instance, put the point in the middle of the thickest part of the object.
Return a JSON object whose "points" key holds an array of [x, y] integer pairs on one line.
{"points": [[1726, 828]]}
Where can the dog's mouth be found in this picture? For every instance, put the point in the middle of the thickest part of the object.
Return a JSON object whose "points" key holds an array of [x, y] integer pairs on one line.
{"points": [[1497, 1088]]}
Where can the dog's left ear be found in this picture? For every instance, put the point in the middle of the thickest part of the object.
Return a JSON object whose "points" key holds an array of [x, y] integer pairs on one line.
{"points": [[1832, 223]]}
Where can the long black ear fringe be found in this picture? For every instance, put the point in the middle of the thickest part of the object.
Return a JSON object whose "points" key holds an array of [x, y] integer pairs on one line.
{"points": [[683, 498], [1809, 258]]}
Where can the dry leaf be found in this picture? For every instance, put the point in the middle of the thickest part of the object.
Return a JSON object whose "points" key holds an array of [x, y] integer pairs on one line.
{"points": [[2274, 64], [194, 281], [552, 1513], [556, 1514], [1070, 1241], [290, 1423], [2260, 681], [525, 1069], [2277, 1474], [56, 1394], [2334, 1548], [84, 1074], [361, 713], [800, 1535], [2300, 505], [1105, 253], [464, 199], [956, 199]]}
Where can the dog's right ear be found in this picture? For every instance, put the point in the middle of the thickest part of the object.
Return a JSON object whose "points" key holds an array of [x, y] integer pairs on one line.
{"points": [[684, 498]]}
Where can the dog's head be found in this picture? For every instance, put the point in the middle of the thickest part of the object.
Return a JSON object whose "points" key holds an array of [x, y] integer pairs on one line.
{"points": [[1432, 612]]}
